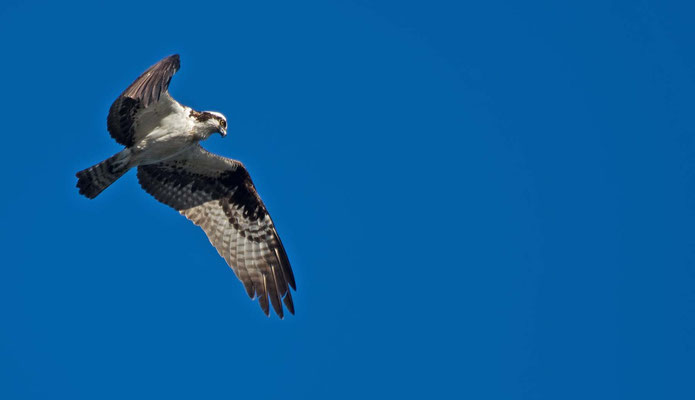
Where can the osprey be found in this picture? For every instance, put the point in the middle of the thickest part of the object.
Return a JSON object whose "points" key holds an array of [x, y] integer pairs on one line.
{"points": [[161, 138]]}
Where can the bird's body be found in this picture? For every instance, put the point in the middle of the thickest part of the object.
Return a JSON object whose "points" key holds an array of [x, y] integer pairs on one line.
{"points": [[162, 140], [167, 131]]}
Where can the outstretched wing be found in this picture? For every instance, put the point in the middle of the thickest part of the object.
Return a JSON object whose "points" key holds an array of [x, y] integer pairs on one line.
{"points": [[141, 94], [217, 194]]}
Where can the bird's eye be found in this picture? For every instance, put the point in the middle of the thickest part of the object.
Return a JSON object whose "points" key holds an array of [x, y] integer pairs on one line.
{"points": [[223, 123]]}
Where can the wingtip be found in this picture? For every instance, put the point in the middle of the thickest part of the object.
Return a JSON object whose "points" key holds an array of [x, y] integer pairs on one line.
{"points": [[263, 302], [279, 310], [288, 302], [174, 59]]}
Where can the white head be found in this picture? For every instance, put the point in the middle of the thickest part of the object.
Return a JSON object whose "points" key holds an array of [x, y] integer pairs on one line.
{"points": [[212, 121]]}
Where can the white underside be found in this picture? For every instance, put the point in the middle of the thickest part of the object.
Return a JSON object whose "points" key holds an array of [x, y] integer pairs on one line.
{"points": [[162, 132]]}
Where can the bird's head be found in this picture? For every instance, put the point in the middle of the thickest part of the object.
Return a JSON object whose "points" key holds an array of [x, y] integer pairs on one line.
{"points": [[210, 122], [220, 123]]}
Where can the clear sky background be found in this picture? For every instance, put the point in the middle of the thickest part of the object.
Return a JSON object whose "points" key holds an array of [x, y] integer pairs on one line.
{"points": [[480, 200]]}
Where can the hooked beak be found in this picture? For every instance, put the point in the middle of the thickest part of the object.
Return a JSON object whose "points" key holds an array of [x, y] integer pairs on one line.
{"points": [[223, 132]]}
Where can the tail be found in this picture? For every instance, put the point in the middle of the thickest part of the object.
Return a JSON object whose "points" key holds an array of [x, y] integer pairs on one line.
{"points": [[95, 179]]}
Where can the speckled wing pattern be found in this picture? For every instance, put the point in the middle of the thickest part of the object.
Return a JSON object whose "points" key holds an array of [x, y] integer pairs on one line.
{"points": [[217, 194], [141, 94]]}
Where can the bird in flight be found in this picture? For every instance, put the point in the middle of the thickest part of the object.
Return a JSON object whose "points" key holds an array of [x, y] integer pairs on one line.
{"points": [[161, 138]]}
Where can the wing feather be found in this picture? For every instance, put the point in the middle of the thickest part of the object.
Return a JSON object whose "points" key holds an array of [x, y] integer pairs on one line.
{"points": [[218, 195], [144, 92]]}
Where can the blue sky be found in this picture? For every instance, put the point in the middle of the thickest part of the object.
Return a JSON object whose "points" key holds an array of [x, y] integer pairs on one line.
{"points": [[482, 200]]}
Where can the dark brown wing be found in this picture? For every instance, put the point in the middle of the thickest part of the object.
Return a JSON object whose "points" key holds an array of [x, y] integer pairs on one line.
{"points": [[218, 195], [144, 92]]}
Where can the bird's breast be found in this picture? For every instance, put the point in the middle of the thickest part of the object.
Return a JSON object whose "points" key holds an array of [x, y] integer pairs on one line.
{"points": [[161, 144]]}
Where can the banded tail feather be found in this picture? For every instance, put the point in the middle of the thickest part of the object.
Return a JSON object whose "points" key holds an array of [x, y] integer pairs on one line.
{"points": [[95, 179]]}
